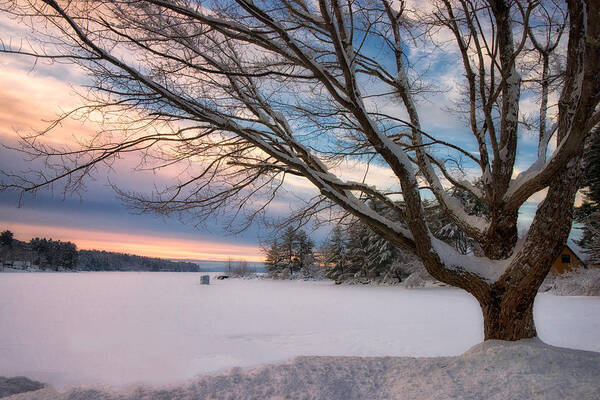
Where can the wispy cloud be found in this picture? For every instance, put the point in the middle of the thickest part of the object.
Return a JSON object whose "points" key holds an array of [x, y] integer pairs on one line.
{"points": [[30, 98]]}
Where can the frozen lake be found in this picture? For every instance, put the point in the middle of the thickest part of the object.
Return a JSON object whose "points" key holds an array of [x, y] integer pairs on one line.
{"points": [[121, 328]]}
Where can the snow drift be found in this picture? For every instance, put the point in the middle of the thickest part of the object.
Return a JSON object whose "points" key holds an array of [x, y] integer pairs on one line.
{"points": [[527, 369]]}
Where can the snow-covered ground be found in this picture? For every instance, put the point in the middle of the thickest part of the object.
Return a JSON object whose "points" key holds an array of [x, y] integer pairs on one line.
{"points": [[581, 282], [494, 370], [158, 328]]}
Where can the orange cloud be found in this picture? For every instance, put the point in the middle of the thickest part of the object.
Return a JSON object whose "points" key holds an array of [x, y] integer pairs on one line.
{"points": [[29, 102], [140, 244]]}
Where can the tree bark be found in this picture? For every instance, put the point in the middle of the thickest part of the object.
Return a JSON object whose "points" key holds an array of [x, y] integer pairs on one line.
{"points": [[507, 304], [502, 235], [508, 316]]}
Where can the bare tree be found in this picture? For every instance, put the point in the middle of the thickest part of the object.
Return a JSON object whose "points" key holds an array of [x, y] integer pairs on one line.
{"points": [[246, 93], [229, 264]]}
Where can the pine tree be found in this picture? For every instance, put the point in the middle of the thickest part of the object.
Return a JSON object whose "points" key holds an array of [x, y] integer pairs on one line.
{"points": [[357, 253], [287, 248], [381, 255], [445, 229], [587, 213], [357, 250], [593, 248], [335, 249], [6, 238], [273, 258], [292, 254]]}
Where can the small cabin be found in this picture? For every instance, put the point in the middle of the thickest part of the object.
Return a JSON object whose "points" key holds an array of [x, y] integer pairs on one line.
{"points": [[566, 261]]}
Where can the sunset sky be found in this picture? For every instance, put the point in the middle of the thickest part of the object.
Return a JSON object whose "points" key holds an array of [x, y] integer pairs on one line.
{"points": [[34, 93], [94, 219]]}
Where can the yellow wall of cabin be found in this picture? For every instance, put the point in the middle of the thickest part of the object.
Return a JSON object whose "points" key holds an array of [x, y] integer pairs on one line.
{"points": [[558, 267]]}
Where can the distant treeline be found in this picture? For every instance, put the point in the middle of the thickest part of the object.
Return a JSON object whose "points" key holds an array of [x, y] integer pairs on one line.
{"points": [[96, 260], [45, 253], [55, 254]]}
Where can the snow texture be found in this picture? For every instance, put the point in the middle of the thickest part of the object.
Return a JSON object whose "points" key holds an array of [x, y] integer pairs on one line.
{"points": [[581, 282], [420, 279], [493, 370], [125, 328], [485, 268], [18, 384]]}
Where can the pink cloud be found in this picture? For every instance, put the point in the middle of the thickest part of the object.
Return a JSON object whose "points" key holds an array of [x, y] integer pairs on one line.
{"points": [[151, 245]]}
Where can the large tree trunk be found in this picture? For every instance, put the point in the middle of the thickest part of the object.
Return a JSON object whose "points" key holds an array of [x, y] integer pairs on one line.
{"points": [[507, 304], [508, 322], [508, 316]]}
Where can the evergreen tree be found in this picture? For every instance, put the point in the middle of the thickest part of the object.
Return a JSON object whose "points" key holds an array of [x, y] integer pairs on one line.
{"points": [[290, 255], [357, 251], [593, 247], [304, 249], [335, 254], [54, 253], [6, 238], [445, 229], [273, 258], [381, 255], [588, 213], [288, 246]]}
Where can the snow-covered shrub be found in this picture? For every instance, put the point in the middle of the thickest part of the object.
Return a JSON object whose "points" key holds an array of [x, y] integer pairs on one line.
{"points": [[312, 272], [581, 282], [240, 269], [419, 277]]}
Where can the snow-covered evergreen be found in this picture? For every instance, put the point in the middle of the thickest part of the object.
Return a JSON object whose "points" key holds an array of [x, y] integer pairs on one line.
{"points": [[356, 254], [592, 249], [588, 213], [447, 230], [291, 256]]}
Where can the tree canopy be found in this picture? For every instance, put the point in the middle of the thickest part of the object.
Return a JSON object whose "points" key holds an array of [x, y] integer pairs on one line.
{"points": [[6, 238]]}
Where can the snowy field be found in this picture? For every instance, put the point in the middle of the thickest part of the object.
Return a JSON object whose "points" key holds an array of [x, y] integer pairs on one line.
{"points": [[157, 328]]}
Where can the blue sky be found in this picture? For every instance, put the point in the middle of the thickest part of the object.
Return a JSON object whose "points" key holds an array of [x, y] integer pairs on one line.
{"points": [[97, 219]]}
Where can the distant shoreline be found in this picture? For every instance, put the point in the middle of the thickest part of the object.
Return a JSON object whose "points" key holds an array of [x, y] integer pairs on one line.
{"points": [[42, 254], [10, 270]]}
